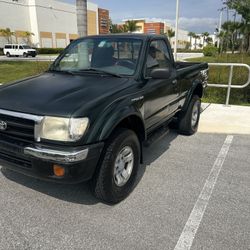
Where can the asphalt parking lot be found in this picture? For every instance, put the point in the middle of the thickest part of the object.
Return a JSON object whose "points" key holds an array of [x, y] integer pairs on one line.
{"points": [[40, 215]]}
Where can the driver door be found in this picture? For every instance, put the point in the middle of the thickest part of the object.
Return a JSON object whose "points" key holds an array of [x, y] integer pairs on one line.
{"points": [[161, 94]]}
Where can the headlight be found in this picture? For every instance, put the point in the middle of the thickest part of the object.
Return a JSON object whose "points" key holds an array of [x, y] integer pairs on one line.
{"points": [[63, 129]]}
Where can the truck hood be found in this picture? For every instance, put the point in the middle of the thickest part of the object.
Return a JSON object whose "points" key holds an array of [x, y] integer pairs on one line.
{"points": [[59, 94]]}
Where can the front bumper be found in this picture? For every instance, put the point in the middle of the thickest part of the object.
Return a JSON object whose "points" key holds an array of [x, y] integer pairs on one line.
{"points": [[35, 161], [57, 155]]}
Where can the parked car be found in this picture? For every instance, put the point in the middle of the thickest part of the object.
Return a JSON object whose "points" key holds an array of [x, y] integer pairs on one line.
{"points": [[19, 50], [89, 116]]}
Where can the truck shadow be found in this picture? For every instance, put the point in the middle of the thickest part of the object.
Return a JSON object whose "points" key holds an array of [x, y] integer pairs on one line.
{"points": [[81, 193]]}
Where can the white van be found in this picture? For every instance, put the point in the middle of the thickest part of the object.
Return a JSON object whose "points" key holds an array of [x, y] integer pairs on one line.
{"points": [[19, 50]]}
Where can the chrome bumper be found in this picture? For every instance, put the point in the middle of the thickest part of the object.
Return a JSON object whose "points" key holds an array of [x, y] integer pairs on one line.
{"points": [[57, 156]]}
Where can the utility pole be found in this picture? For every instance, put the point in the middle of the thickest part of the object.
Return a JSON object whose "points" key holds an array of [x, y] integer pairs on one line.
{"points": [[220, 24], [176, 28]]}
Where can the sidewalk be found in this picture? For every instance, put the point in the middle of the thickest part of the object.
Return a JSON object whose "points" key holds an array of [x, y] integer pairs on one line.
{"points": [[217, 118]]}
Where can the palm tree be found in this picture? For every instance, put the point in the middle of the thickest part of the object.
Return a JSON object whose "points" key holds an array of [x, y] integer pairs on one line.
{"points": [[196, 37], [205, 35], [28, 35], [222, 36], [170, 34], [7, 33], [82, 17], [191, 35], [131, 26]]}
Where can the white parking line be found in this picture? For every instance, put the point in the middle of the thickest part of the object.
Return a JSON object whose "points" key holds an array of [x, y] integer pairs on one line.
{"points": [[187, 236]]}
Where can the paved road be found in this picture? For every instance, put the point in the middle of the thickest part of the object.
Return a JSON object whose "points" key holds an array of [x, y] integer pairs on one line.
{"points": [[40, 215], [32, 59], [181, 56]]}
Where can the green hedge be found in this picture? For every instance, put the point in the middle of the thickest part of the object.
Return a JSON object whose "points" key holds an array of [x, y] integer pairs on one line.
{"points": [[1, 52], [210, 50], [189, 51], [49, 50]]}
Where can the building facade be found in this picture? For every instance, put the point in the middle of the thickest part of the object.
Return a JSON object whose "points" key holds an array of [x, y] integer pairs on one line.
{"points": [[53, 24], [103, 21], [154, 28]]}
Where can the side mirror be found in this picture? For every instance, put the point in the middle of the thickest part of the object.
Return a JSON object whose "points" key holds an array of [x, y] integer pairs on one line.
{"points": [[162, 73]]}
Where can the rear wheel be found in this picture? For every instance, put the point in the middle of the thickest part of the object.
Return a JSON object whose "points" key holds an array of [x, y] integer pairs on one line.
{"points": [[8, 54], [189, 121], [25, 54], [118, 167]]}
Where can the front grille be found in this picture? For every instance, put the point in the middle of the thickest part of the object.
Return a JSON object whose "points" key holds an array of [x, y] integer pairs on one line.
{"points": [[18, 127], [14, 159]]}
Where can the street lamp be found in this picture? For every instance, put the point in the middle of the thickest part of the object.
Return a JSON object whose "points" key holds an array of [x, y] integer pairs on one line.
{"points": [[220, 24], [176, 28]]}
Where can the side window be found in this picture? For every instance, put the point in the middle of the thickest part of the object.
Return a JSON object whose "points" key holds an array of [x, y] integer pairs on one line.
{"points": [[15, 47], [20, 47], [158, 56]]}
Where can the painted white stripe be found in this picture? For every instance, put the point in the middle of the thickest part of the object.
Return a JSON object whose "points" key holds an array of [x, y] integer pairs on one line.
{"points": [[187, 236]]}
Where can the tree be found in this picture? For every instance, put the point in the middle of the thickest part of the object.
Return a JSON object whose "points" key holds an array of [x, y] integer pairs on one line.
{"points": [[243, 8], [209, 40], [82, 17], [170, 34], [191, 35], [116, 28], [131, 26], [205, 36], [231, 29], [222, 36], [28, 35], [196, 37], [7, 33]]}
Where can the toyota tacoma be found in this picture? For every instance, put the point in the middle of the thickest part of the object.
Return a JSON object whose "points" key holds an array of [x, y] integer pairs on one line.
{"points": [[89, 115]]}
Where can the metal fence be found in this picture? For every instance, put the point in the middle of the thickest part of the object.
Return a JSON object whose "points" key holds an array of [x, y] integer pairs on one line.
{"points": [[229, 85]]}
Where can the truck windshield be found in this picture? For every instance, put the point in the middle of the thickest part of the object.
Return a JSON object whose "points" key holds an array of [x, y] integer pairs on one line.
{"points": [[118, 56]]}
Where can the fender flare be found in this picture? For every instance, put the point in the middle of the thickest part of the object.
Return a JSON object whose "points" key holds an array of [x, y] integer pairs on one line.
{"points": [[197, 86], [109, 120]]}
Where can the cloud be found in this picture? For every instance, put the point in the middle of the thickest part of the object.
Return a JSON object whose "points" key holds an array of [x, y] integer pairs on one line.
{"points": [[198, 25]]}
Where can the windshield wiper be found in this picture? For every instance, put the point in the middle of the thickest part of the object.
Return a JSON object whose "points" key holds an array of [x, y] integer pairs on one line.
{"points": [[100, 71], [62, 71]]}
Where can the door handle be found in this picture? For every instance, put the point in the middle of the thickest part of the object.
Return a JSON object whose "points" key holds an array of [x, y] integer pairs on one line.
{"points": [[174, 82]]}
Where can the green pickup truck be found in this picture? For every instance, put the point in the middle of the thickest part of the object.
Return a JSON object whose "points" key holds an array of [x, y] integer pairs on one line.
{"points": [[89, 115]]}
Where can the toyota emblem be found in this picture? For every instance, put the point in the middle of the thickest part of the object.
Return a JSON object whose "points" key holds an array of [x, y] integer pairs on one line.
{"points": [[3, 125]]}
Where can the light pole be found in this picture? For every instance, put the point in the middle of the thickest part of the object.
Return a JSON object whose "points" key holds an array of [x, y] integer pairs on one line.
{"points": [[220, 24], [176, 28]]}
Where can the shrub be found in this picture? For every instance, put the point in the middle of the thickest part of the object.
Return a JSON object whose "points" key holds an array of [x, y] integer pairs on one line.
{"points": [[189, 51], [1, 52], [49, 50], [210, 50]]}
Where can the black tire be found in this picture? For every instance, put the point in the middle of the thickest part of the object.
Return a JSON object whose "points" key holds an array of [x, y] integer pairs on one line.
{"points": [[186, 126], [25, 54], [104, 183], [8, 54]]}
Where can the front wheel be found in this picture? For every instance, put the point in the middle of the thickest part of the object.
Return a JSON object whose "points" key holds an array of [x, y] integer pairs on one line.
{"points": [[118, 167], [189, 121]]}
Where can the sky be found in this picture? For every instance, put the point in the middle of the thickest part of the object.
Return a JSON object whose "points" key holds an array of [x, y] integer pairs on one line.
{"points": [[195, 15]]}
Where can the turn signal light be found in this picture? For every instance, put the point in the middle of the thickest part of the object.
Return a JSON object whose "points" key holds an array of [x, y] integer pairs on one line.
{"points": [[58, 170]]}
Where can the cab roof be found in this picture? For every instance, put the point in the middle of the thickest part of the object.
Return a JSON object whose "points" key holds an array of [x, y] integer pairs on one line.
{"points": [[129, 35]]}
